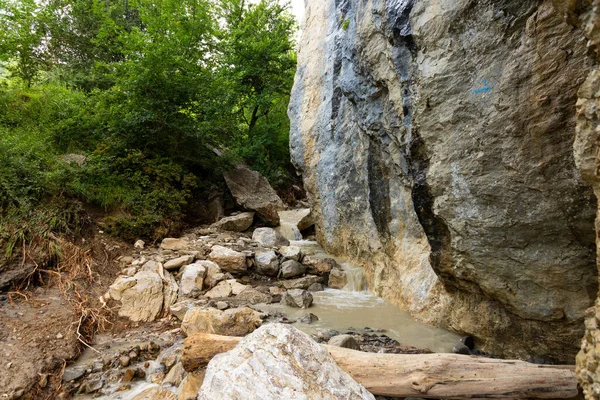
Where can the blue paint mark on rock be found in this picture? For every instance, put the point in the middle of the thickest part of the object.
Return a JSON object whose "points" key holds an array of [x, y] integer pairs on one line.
{"points": [[486, 88]]}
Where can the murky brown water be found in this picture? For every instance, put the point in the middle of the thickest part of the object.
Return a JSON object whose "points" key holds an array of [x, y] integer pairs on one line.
{"points": [[354, 307]]}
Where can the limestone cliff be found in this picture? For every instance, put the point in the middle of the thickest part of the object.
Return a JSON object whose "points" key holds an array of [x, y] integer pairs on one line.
{"points": [[435, 138]]}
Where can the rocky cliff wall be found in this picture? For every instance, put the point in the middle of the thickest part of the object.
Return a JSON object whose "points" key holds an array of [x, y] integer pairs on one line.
{"points": [[435, 138]]}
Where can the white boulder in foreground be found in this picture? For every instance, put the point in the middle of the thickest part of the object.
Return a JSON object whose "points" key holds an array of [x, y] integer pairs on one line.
{"points": [[276, 362]]}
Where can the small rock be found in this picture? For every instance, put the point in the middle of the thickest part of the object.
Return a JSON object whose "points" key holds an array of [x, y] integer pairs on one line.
{"points": [[93, 385], [73, 373], [229, 260], [299, 298], [301, 283], [178, 262], [175, 375], [235, 223], [43, 382], [346, 341], [267, 263], [316, 287], [320, 266], [291, 253], [292, 269], [192, 280], [221, 305], [124, 361], [276, 291], [174, 244], [59, 336], [128, 376], [269, 237], [214, 274], [253, 296], [337, 279], [309, 318], [232, 322], [139, 244]]}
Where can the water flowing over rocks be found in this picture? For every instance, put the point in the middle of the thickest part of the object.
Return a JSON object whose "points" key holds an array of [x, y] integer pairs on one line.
{"points": [[278, 362], [435, 140]]}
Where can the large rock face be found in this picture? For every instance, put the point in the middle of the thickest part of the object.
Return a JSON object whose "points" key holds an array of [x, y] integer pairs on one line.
{"points": [[435, 139]]}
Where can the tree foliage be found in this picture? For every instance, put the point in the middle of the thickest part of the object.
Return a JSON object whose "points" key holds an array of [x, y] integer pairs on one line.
{"points": [[160, 95]]}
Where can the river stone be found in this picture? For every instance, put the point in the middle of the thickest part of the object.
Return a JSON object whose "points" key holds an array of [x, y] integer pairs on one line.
{"points": [[192, 279], [156, 393], [337, 279], [300, 218], [252, 191], [291, 253], [175, 375], [301, 283], [235, 223], [253, 296], [178, 262], [292, 269], [319, 265], [316, 287], [144, 300], [266, 262], [231, 322], [225, 289], [174, 244], [214, 274], [346, 341], [278, 353], [298, 298], [229, 260], [269, 237]]}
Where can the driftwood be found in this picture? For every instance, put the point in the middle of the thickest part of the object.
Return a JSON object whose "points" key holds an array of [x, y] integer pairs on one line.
{"points": [[440, 376]]}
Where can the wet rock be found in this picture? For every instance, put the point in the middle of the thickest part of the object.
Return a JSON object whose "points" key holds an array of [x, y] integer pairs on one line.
{"points": [[229, 260], [297, 298], [460, 348], [178, 262], [235, 223], [128, 375], [269, 237], [174, 244], [92, 386], [309, 318], [319, 265], [337, 279], [252, 191], [316, 287], [156, 393], [301, 283], [73, 373], [278, 353], [291, 253], [266, 262], [346, 341], [253, 296], [192, 279], [292, 269], [181, 307], [175, 375], [231, 322]]}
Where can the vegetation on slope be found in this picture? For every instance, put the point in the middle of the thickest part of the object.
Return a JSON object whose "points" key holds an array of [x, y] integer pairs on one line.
{"points": [[159, 97]]}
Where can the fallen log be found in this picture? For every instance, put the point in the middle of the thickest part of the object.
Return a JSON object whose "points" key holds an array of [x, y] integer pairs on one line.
{"points": [[440, 376]]}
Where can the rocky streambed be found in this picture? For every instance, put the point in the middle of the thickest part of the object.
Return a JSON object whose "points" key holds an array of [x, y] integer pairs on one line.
{"points": [[229, 283]]}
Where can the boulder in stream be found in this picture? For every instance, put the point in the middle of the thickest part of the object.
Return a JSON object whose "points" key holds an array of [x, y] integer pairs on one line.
{"points": [[292, 269], [278, 361], [229, 260], [232, 322], [299, 298], [266, 262], [337, 279]]}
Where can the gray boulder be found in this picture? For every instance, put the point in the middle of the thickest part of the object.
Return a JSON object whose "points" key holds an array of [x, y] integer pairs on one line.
{"points": [[229, 260], [346, 341], [252, 191], [269, 237], [235, 223], [267, 262], [292, 269]]}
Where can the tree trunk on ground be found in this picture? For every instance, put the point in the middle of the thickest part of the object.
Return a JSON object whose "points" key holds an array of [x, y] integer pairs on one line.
{"points": [[440, 376]]}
